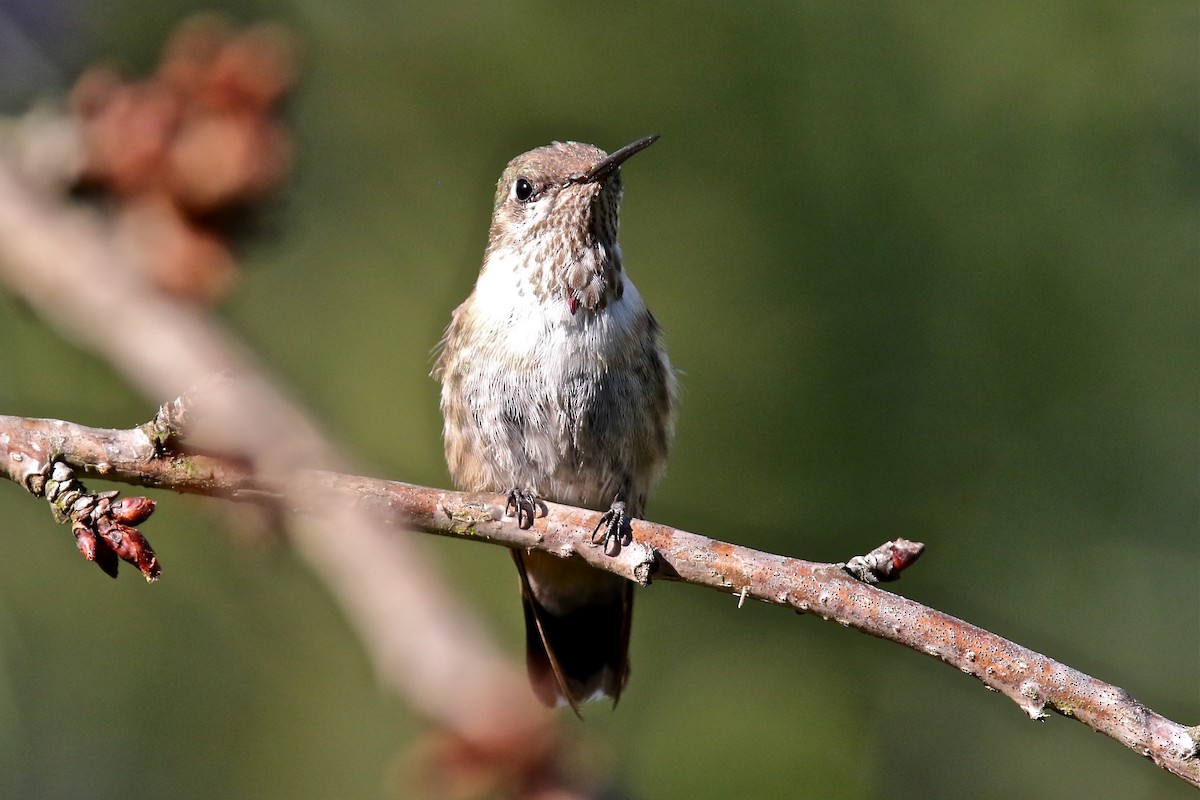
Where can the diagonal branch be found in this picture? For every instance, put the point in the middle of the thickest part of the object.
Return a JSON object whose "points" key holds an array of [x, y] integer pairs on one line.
{"points": [[1035, 682]]}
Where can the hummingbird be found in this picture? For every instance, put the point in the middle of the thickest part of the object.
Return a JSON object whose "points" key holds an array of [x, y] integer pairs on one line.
{"points": [[556, 386]]}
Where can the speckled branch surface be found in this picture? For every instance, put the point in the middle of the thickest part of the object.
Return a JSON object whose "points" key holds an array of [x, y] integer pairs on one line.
{"points": [[658, 552]]}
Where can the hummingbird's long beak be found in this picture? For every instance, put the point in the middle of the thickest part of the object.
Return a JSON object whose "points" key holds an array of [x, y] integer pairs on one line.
{"points": [[609, 165]]}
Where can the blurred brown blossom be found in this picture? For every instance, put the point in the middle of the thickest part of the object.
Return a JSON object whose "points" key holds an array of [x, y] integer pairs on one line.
{"points": [[187, 151]]}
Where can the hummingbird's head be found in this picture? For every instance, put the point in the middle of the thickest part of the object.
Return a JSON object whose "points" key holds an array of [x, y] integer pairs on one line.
{"points": [[555, 223]]}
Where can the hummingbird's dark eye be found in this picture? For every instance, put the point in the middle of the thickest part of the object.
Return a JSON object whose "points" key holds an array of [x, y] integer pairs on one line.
{"points": [[523, 189]]}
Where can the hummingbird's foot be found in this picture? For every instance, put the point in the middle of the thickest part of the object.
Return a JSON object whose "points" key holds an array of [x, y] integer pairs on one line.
{"points": [[525, 506], [617, 530]]}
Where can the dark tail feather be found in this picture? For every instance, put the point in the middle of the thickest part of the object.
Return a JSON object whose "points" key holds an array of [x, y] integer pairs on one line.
{"points": [[578, 653]]}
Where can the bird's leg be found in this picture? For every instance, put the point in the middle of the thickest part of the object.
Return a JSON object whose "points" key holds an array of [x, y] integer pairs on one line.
{"points": [[616, 527], [525, 506]]}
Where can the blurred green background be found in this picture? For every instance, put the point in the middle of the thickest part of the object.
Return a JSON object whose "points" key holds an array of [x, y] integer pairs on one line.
{"points": [[927, 269]]}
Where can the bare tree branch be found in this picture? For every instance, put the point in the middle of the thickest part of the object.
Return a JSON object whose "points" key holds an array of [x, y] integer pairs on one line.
{"points": [[1035, 682]]}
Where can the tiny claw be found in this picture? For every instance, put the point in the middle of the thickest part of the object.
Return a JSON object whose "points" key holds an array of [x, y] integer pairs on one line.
{"points": [[617, 530], [612, 547], [525, 506]]}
